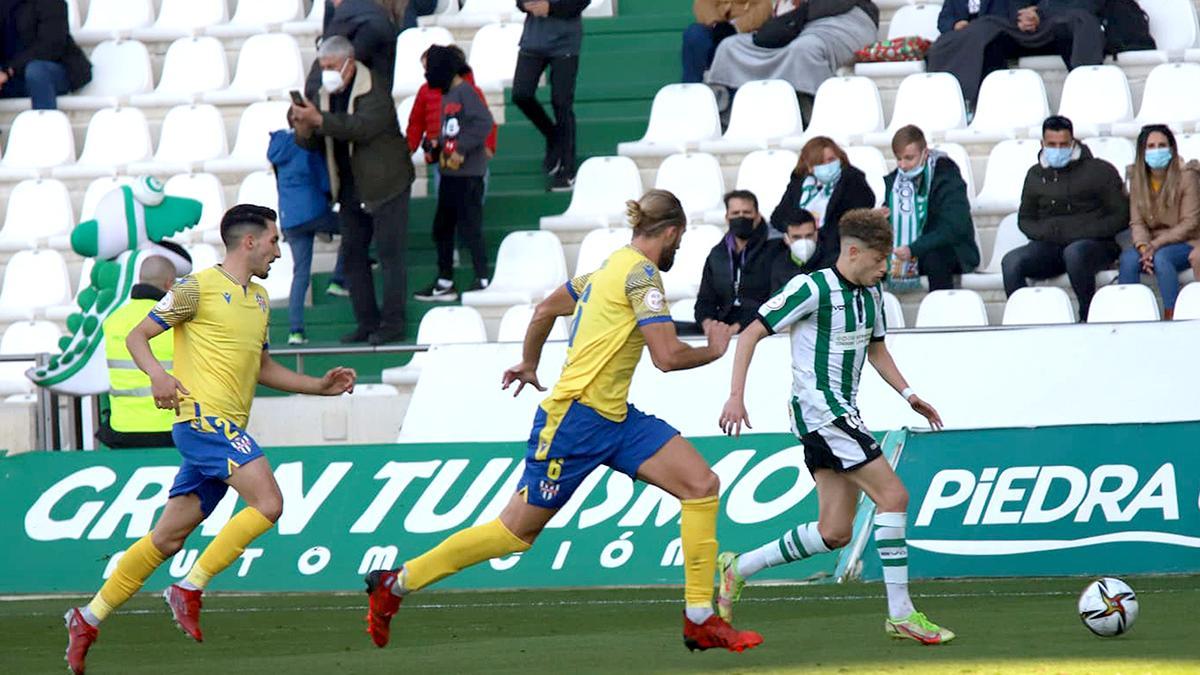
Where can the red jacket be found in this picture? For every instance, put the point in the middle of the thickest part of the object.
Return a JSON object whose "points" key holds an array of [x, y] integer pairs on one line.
{"points": [[425, 120]]}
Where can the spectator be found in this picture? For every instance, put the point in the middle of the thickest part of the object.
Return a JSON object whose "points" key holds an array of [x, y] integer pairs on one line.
{"points": [[415, 9], [715, 21], [930, 214], [958, 14], [370, 175], [1072, 207], [1164, 214], [302, 182], [800, 236], [826, 184], [462, 161], [369, 27], [737, 274], [552, 38], [38, 58]]}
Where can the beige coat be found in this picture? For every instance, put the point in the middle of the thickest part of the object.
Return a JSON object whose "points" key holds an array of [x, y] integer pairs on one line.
{"points": [[750, 14], [1181, 220]]}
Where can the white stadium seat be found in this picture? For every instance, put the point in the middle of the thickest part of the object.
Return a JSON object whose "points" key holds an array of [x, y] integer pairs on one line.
{"points": [[764, 113], [949, 309], [1115, 150], [206, 189], [893, 312], [683, 311], [1008, 237], [439, 326], [33, 281], [268, 65], [529, 265], [120, 69], [190, 136], [110, 19], [313, 24], [259, 188], [38, 139], [444, 8], [38, 213], [844, 109], [97, 189], [408, 75], [115, 138], [1010, 103], [278, 283], [696, 180], [192, 66], [683, 281], [25, 337], [1187, 305], [493, 55], [1037, 306], [1094, 98], [1189, 145], [1173, 27], [182, 18], [681, 116], [932, 101], [1162, 102], [254, 17], [870, 161], [203, 256], [403, 110], [74, 19], [602, 186], [1007, 165], [599, 8], [480, 13], [915, 20], [516, 320], [959, 154], [253, 135], [766, 173], [598, 245], [1123, 302]]}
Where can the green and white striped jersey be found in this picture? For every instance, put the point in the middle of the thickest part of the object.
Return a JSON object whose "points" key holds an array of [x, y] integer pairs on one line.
{"points": [[833, 321]]}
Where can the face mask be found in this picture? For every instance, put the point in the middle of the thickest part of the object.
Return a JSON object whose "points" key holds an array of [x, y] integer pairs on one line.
{"points": [[802, 249], [1159, 158], [829, 173], [912, 173], [1057, 158], [741, 227], [331, 80]]}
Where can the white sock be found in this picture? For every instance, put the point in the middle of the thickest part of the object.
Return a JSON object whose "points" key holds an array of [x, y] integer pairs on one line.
{"points": [[185, 584], [698, 615], [92, 619], [444, 283], [893, 553], [398, 588], [797, 543]]}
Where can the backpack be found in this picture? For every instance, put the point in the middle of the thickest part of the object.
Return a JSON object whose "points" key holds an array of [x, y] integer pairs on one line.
{"points": [[1126, 27]]}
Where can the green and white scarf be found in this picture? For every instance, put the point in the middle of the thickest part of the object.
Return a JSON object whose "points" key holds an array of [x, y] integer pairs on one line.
{"points": [[909, 205]]}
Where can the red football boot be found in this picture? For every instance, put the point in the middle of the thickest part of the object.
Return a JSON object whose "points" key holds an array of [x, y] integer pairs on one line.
{"points": [[382, 605], [715, 632], [185, 608], [80, 637]]}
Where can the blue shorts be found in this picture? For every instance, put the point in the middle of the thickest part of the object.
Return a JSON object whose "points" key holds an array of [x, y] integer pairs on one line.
{"points": [[211, 448], [583, 441]]}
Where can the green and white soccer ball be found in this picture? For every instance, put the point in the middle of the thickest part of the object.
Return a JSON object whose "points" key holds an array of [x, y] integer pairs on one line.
{"points": [[1108, 607]]}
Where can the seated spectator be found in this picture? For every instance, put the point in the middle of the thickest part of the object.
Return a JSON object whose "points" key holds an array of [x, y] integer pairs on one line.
{"points": [[800, 236], [737, 274], [930, 214], [1072, 207], [715, 21], [38, 58], [1164, 214], [826, 184], [970, 48]]}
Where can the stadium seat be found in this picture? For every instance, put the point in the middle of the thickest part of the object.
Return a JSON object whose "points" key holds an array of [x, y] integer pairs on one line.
{"points": [[191, 67], [25, 337], [259, 188], [681, 116], [97, 189], [38, 140], [403, 110], [408, 75], [764, 113], [204, 256], [33, 281], [278, 283], [1007, 165], [206, 189], [1038, 305], [1161, 100], [951, 309], [313, 24], [529, 265], [765, 173], [844, 109], [696, 180], [190, 136], [683, 281], [1010, 103], [439, 326], [870, 161], [516, 320], [184, 18], [60, 313], [1094, 98], [115, 138], [268, 66], [598, 245], [254, 17], [74, 20], [1189, 145], [1173, 27], [480, 13], [915, 20], [120, 69], [602, 185], [253, 135], [1123, 302], [493, 56], [990, 277], [1187, 305], [1116, 151], [39, 213], [112, 19], [444, 8], [932, 101], [959, 154], [598, 9], [683, 311], [893, 312]]}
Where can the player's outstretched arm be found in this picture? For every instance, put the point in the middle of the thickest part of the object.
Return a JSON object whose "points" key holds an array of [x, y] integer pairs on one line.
{"points": [[337, 381], [163, 386], [881, 359], [559, 303], [734, 414], [669, 353]]}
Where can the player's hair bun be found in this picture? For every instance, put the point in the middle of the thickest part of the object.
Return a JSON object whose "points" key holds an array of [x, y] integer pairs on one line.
{"points": [[634, 213]]}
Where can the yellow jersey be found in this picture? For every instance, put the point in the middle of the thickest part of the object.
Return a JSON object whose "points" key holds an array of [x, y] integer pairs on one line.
{"points": [[605, 344], [220, 334]]}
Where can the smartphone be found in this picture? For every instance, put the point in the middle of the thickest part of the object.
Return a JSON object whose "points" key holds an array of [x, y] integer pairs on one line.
{"points": [[296, 97]]}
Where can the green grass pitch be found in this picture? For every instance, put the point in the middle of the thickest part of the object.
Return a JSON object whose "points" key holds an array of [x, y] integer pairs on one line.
{"points": [[1003, 626]]}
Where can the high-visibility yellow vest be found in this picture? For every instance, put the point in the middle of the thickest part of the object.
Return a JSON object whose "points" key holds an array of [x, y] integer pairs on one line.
{"points": [[130, 400]]}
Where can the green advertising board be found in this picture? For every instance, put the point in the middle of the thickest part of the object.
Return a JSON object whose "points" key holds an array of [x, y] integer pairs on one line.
{"points": [[65, 516], [1116, 499]]}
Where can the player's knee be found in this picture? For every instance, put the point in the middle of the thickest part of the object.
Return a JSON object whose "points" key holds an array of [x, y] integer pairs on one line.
{"points": [[894, 500], [271, 507], [168, 544], [835, 536], [704, 485]]}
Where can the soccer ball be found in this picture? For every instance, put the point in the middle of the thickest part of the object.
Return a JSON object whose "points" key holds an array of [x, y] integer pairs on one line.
{"points": [[1108, 607]]}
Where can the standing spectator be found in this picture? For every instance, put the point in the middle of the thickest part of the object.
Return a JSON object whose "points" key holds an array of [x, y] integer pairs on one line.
{"points": [[930, 214], [369, 27], [1164, 214], [415, 9], [826, 184], [715, 21], [1072, 207], [462, 161], [370, 174], [552, 38], [737, 274], [800, 236], [38, 58]]}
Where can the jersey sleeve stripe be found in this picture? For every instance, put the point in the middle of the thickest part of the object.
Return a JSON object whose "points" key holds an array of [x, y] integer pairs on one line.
{"points": [[158, 320], [780, 318], [571, 291], [653, 319], [766, 324]]}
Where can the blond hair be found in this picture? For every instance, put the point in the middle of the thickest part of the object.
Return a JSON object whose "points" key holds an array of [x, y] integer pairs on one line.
{"points": [[654, 212]]}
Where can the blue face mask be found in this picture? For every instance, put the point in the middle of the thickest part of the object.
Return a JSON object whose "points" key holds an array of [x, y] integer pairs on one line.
{"points": [[828, 174], [1057, 158], [1159, 158], [912, 173]]}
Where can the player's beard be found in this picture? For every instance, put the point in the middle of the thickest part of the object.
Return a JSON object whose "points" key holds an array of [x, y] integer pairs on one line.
{"points": [[667, 261]]}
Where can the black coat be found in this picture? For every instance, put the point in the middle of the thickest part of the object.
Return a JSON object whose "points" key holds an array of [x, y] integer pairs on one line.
{"points": [[1083, 200], [44, 33], [949, 224], [560, 33], [954, 11], [716, 297], [851, 192]]}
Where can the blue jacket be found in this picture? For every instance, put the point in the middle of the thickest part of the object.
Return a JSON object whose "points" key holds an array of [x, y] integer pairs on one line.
{"points": [[302, 179], [954, 11]]}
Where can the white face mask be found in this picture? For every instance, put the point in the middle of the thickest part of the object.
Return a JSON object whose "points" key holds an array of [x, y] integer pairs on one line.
{"points": [[331, 80], [802, 249]]}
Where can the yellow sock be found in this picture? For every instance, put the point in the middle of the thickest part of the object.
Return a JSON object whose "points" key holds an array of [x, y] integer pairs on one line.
{"points": [[459, 550], [229, 543], [698, 530], [138, 563]]}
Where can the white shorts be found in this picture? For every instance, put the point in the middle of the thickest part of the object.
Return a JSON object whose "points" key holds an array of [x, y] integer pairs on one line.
{"points": [[844, 444]]}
